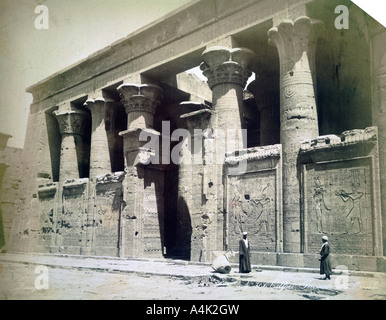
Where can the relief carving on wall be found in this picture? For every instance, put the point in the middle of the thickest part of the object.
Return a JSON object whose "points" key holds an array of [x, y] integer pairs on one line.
{"points": [[340, 205], [252, 209]]}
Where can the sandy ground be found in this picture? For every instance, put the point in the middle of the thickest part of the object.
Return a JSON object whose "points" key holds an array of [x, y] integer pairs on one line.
{"points": [[18, 281]]}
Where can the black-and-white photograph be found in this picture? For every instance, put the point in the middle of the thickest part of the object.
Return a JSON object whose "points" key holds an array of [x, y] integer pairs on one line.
{"points": [[192, 150]]}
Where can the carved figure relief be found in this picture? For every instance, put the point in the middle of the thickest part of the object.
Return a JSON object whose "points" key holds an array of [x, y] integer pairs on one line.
{"points": [[252, 209], [320, 204], [340, 205], [354, 209], [257, 203]]}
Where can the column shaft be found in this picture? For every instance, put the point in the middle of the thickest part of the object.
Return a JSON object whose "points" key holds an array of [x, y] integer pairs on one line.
{"points": [[141, 102], [268, 103], [71, 126], [378, 43], [68, 158], [100, 163], [142, 223], [227, 70], [227, 99], [295, 42], [195, 225]]}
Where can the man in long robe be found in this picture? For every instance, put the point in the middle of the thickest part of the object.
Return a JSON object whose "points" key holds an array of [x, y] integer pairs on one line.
{"points": [[325, 263], [244, 255]]}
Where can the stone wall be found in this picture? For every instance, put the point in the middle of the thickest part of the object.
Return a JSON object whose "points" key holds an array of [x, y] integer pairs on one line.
{"points": [[254, 201], [340, 192], [91, 186], [81, 216], [10, 181]]}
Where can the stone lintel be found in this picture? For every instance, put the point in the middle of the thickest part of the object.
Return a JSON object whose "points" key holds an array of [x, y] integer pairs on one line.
{"points": [[186, 31]]}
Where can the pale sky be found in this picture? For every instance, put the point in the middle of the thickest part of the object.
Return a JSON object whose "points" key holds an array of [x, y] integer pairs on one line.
{"points": [[77, 28]]}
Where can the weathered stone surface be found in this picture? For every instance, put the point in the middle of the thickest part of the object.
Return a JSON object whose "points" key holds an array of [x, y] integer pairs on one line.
{"points": [[140, 102], [90, 185], [72, 128], [340, 183], [254, 200], [295, 41], [10, 181], [100, 162]]}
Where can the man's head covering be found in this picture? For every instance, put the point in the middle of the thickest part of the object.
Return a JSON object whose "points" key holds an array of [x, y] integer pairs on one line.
{"points": [[245, 233], [325, 238]]}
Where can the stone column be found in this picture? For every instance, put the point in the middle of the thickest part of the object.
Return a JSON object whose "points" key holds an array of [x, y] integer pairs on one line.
{"points": [[194, 225], [295, 41], [378, 63], [100, 163], [227, 71], [141, 102], [268, 104], [142, 216], [71, 126]]}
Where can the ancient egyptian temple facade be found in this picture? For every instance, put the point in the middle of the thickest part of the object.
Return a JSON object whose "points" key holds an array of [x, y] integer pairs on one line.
{"points": [[295, 154]]}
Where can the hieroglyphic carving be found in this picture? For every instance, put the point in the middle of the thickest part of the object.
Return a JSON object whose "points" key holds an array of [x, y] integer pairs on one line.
{"points": [[151, 223], [69, 228], [108, 206], [339, 204]]}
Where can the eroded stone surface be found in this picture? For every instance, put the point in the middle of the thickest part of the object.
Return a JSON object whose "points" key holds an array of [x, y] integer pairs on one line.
{"points": [[89, 185]]}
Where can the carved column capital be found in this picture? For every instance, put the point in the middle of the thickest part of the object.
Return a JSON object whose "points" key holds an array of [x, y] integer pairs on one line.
{"points": [[140, 100], [197, 119], [294, 38], [71, 121], [222, 65], [97, 103], [98, 107], [100, 163]]}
